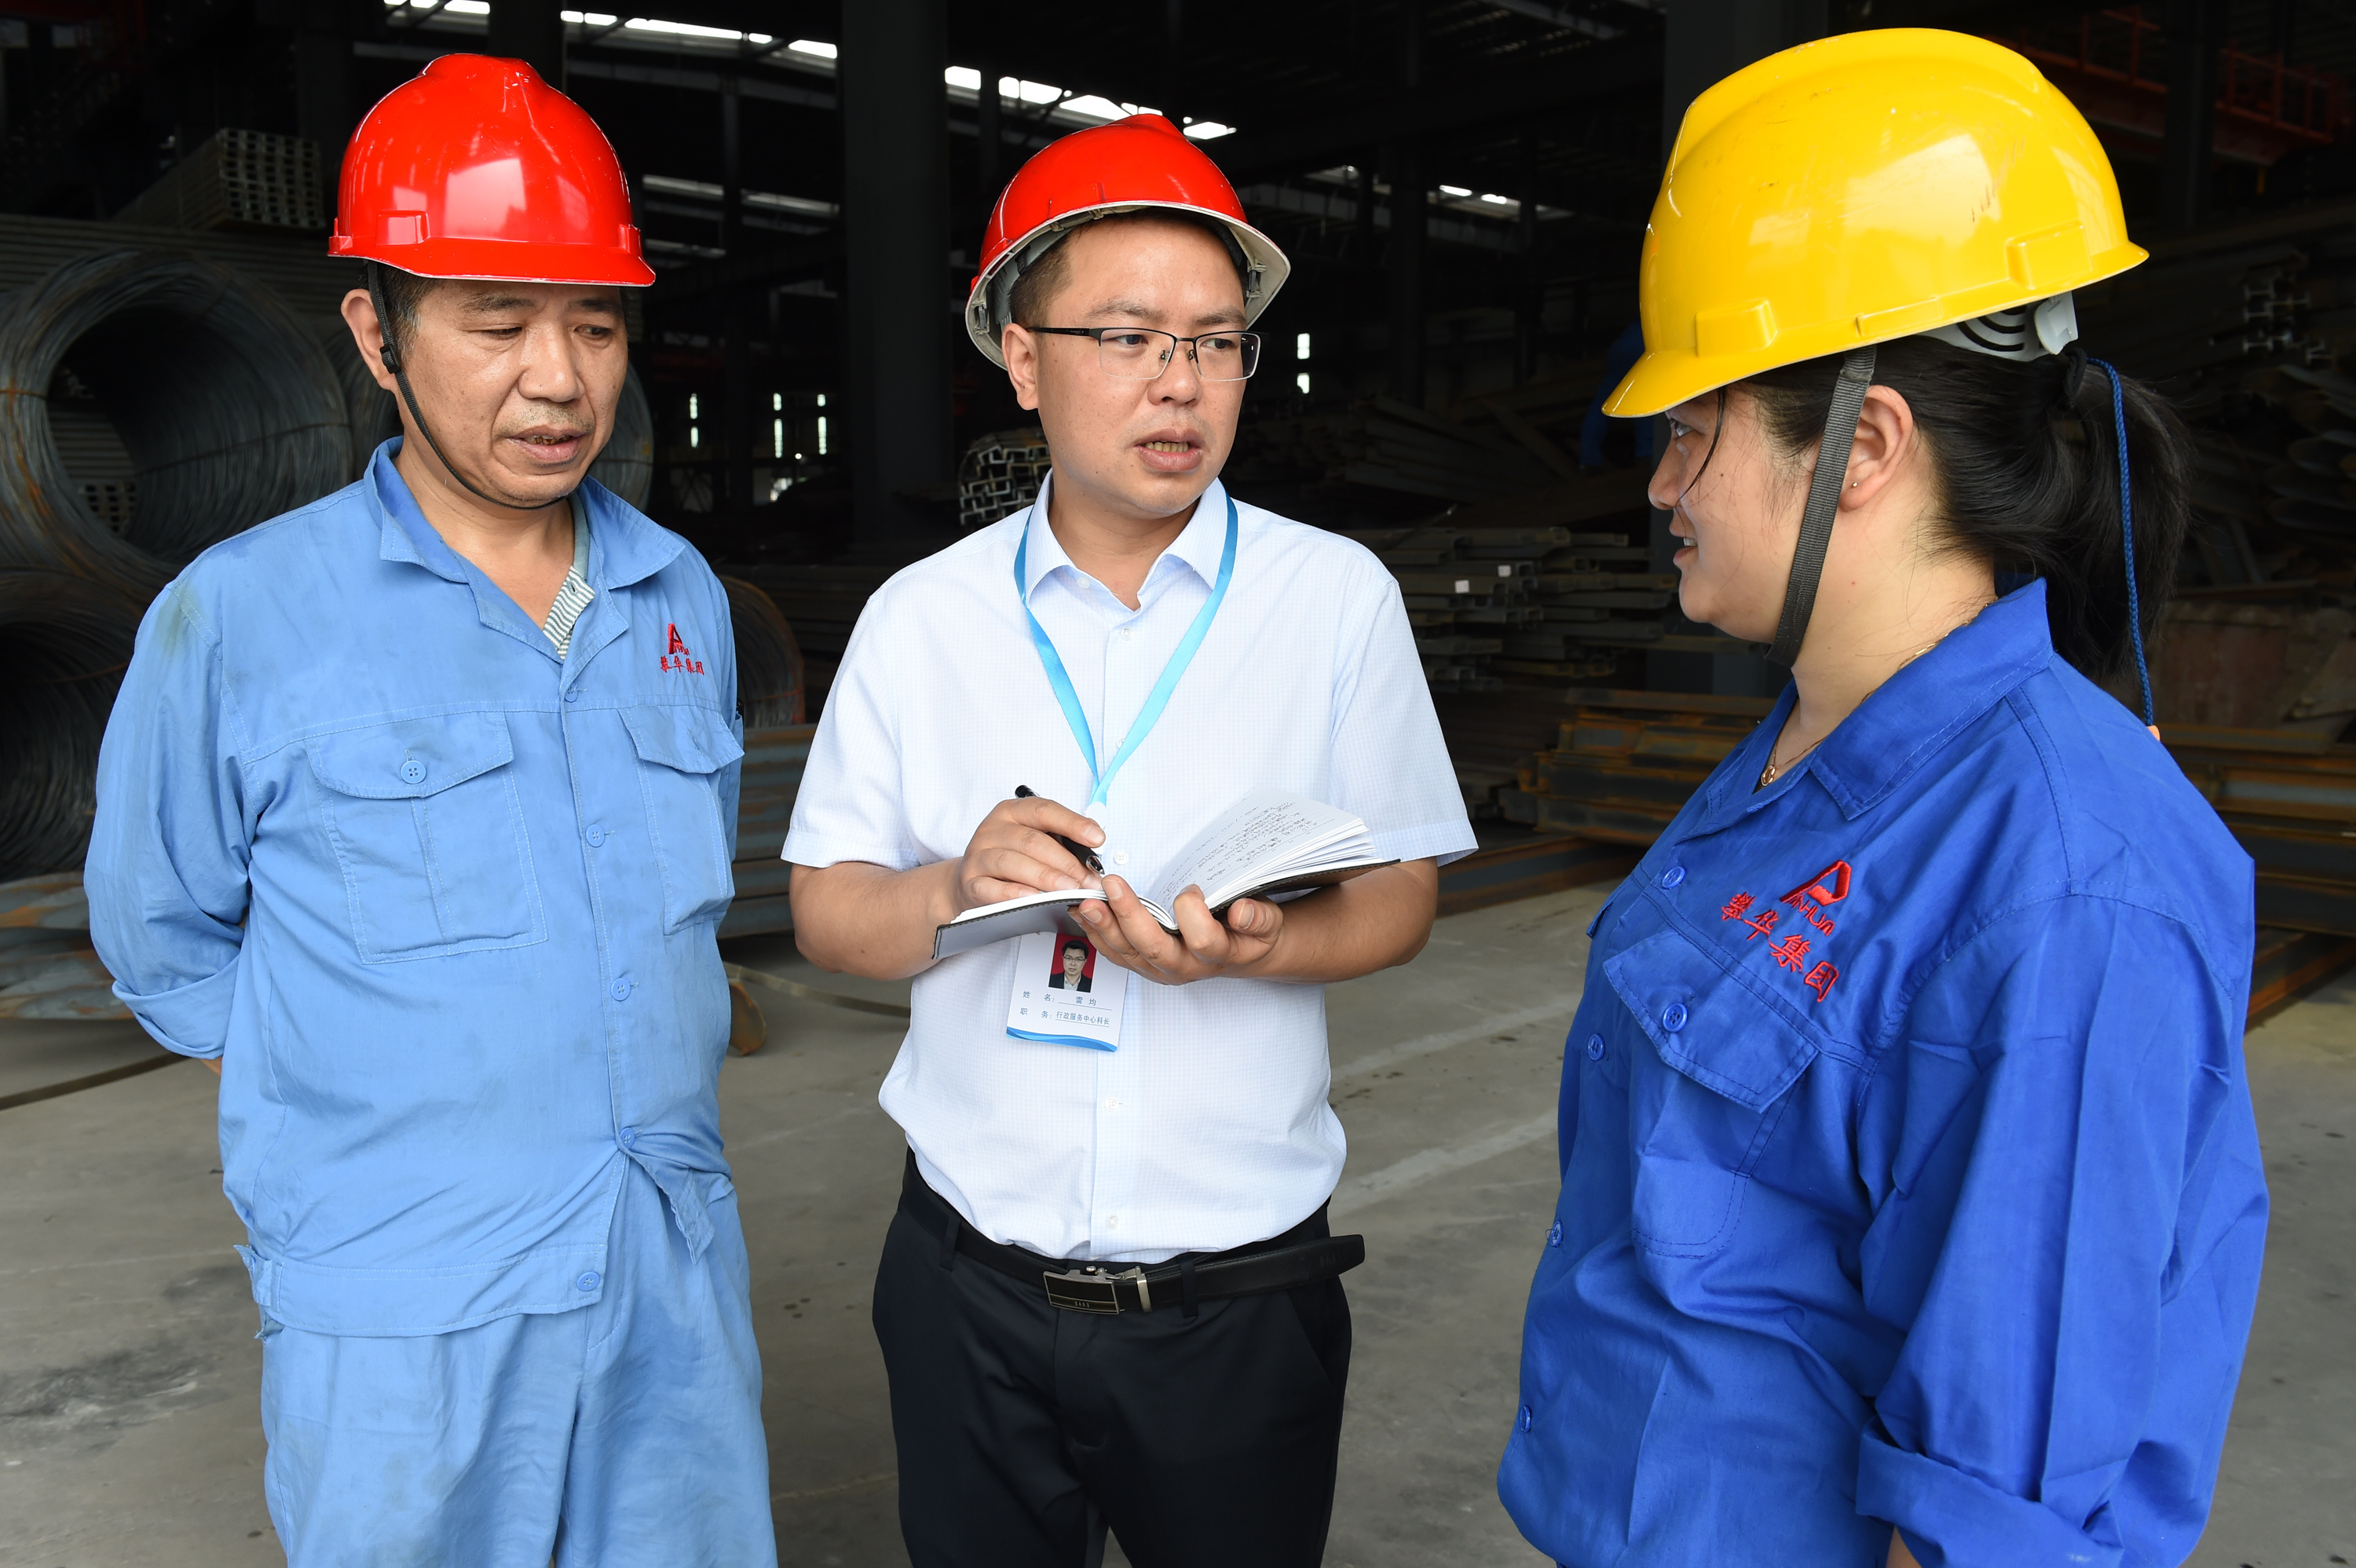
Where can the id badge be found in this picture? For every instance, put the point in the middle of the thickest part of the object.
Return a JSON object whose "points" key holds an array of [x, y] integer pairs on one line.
{"points": [[1065, 993]]}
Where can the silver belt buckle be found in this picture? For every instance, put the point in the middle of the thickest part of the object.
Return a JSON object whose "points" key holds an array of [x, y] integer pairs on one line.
{"points": [[1091, 1289]]}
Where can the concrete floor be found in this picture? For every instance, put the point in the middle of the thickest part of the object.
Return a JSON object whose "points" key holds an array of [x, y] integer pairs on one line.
{"points": [[127, 1367]]}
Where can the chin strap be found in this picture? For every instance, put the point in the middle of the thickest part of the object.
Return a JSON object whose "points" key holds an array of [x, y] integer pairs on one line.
{"points": [[1824, 506], [392, 358], [2126, 541]]}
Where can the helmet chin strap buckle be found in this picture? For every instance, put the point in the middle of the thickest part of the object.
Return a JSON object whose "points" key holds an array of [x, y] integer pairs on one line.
{"points": [[391, 355], [1824, 506]]}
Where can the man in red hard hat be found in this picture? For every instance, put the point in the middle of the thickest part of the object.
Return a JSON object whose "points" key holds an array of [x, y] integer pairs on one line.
{"points": [[1111, 1296], [415, 820]]}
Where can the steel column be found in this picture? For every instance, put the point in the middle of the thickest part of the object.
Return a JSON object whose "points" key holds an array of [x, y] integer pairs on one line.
{"points": [[895, 235], [532, 31], [2196, 32], [1410, 208], [325, 108]]}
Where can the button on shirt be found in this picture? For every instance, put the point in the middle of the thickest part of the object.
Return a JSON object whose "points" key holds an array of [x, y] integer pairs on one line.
{"points": [[1208, 1127], [442, 901], [1909, 1169]]}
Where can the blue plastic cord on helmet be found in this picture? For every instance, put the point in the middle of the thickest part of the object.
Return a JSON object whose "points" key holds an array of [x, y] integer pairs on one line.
{"points": [[2127, 534]]}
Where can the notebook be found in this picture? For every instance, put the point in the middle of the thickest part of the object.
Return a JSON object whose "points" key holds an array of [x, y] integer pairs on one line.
{"points": [[1269, 842]]}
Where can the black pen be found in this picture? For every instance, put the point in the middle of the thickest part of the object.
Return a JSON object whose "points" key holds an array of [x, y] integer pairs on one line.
{"points": [[1080, 852]]}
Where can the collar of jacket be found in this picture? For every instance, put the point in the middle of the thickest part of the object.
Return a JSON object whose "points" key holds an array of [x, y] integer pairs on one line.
{"points": [[624, 547], [1906, 720]]}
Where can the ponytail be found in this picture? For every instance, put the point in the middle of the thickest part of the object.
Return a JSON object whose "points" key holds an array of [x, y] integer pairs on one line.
{"points": [[2026, 455]]}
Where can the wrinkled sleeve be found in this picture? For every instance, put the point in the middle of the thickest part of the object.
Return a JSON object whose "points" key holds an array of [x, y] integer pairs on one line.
{"points": [[166, 874], [1390, 765], [2071, 1236], [850, 805], [730, 784]]}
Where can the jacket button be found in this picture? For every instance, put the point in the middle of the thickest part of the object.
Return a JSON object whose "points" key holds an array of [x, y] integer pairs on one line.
{"points": [[1554, 1237], [1594, 1048], [1526, 1418], [1672, 1017], [622, 989], [1673, 876], [629, 1136], [413, 771], [590, 1281], [596, 834], [572, 696]]}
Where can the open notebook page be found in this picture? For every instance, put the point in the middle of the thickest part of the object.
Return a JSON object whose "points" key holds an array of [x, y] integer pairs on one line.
{"points": [[1260, 839]]}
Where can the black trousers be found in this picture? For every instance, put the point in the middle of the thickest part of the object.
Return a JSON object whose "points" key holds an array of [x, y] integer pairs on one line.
{"points": [[1203, 1442]]}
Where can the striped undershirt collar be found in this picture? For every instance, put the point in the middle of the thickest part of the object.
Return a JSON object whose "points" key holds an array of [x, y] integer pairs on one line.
{"points": [[574, 596]]}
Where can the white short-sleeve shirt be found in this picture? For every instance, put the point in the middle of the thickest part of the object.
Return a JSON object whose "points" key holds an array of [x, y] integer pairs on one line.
{"points": [[1208, 1128]]}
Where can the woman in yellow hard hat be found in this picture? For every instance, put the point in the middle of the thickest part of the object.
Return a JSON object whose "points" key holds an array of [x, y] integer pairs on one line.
{"points": [[1911, 1206]]}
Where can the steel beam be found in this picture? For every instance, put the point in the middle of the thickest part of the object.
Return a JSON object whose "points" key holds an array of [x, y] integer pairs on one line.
{"points": [[895, 203], [1499, 97], [532, 31], [2196, 32], [1410, 208]]}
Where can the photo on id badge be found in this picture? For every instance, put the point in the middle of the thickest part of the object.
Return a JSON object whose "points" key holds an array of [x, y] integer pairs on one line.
{"points": [[1063, 995]]}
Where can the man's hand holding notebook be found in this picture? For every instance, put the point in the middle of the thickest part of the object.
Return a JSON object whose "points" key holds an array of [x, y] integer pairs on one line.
{"points": [[1270, 842]]}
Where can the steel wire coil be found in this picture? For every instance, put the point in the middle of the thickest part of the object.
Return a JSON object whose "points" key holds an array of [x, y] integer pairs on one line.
{"points": [[229, 411], [63, 646], [768, 660], [627, 465]]}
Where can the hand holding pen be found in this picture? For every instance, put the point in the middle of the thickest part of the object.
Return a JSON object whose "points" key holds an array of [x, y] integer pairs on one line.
{"points": [[1021, 848], [1080, 852]]}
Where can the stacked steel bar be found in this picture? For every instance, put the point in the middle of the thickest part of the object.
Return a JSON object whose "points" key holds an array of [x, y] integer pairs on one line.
{"points": [[774, 760], [821, 603], [2290, 799], [1386, 444], [2246, 330], [238, 179], [1625, 762], [46, 967]]}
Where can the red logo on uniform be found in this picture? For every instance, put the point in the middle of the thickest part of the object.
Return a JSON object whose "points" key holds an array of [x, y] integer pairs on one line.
{"points": [[1809, 900], [679, 659], [1819, 894]]}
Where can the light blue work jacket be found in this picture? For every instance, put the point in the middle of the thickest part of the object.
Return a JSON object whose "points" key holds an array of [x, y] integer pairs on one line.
{"points": [[443, 904]]}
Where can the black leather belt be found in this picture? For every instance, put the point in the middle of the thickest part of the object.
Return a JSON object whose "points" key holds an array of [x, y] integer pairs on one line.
{"points": [[1305, 1255]]}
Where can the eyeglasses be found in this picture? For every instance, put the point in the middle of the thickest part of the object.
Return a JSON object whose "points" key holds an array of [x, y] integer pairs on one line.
{"points": [[1141, 353]]}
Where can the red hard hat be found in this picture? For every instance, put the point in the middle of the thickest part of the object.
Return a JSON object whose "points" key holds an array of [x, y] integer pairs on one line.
{"points": [[476, 168], [1142, 161]]}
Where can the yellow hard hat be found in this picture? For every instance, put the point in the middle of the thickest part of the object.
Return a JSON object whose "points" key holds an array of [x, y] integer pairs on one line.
{"points": [[1868, 187]]}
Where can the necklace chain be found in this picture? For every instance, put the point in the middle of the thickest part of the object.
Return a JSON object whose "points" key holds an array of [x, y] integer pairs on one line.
{"points": [[1775, 770]]}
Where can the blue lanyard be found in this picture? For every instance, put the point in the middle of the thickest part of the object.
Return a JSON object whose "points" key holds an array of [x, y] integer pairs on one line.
{"points": [[1157, 699]]}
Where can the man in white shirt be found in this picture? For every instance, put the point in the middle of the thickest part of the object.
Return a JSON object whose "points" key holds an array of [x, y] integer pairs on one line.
{"points": [[1109, 1295]]}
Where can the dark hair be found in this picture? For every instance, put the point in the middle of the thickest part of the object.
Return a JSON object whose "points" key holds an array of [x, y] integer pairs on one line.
{"points": [[1073, 945], [1036, 284], [2025, 480], [402, 293]]}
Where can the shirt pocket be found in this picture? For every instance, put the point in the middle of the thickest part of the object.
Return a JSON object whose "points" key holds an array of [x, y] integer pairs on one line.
{"points": [[428, 827], [680, 752], [1705, 1100]]}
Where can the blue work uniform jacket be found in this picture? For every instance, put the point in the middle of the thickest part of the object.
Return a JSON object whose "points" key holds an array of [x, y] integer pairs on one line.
{"points": [[1910, 1176], [442, 903]]}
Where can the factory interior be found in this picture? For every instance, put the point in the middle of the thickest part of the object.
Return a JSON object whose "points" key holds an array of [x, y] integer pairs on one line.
{"points": [[1463, 187]]}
